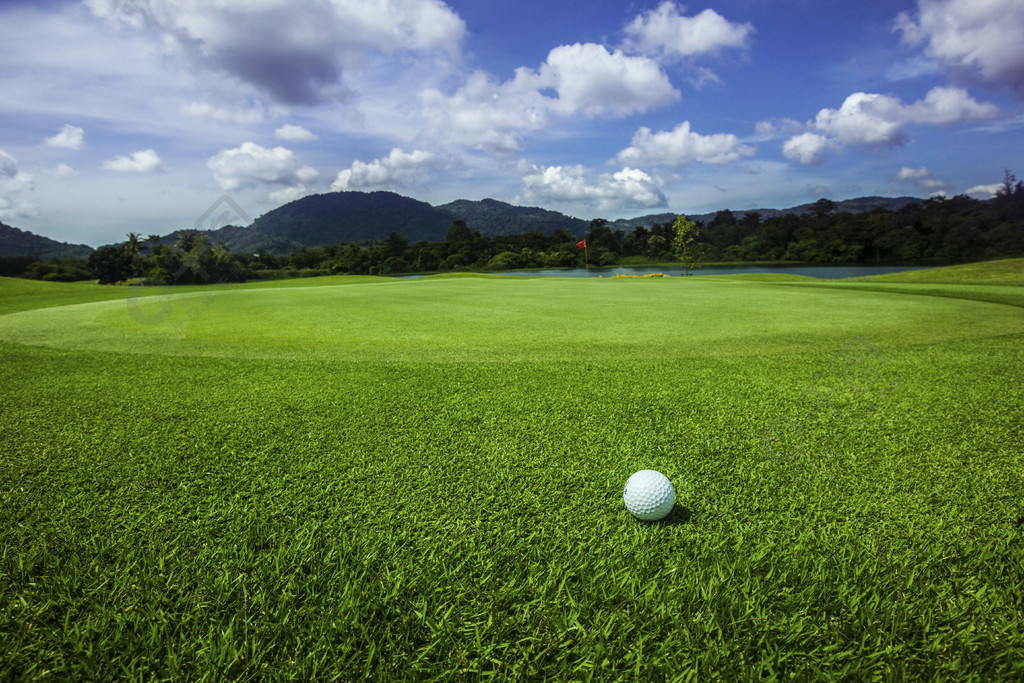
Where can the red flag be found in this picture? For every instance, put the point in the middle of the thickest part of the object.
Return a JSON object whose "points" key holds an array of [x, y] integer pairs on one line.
{"points": [[582, 244]]}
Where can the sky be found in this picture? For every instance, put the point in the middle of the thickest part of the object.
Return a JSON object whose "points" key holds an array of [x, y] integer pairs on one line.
{"points": [[150, 116]]}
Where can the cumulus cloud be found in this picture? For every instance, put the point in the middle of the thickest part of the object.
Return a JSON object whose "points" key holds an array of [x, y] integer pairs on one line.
{"points": [[922, 177], [144, 161], [63, 171], [488, 115], [397, 169], [582, 79], [875, 121], [983, 191], [69, 137], [15, 185], [808, 148], [629, 188], [681, 147], [949, 107], [981, 40], [666, 32], [590, 79], [865, 119], [297, 51], [250, 165], [293, 133]]}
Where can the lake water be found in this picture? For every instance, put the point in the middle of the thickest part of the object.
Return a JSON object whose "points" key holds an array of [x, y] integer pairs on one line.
{"points": [[824, 272]]}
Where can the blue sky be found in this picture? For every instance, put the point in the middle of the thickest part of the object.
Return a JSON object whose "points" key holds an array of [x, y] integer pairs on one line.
{"points": [[137, 115]]}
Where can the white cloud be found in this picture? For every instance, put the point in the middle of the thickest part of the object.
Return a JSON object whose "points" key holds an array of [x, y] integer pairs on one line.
{"points": [[250, 165], [983, 191], [224, 114], [591, 80], [912, 68], [922, 177], [288, 194], [397, 169], [488, 115], [949, 107], [63, 171], [808, 148], [875, 121], [865, 119], [766, 130], [981, 39], [666, 32], [294, 50], [69, 137], [293, 133], [626, 189], [144, 161], [14, 188], [575, 79], [913, 173], [681, 147]]}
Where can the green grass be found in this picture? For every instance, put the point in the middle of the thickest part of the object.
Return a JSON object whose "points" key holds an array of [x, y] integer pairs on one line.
{"points": [[1002, 272], [356, 479]]}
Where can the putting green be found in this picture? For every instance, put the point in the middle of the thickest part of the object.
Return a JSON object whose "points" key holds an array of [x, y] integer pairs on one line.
{"points": [[480, 319]]}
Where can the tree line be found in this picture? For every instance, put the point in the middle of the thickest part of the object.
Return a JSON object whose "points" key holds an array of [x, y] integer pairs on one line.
{"points": [[934, 230]]}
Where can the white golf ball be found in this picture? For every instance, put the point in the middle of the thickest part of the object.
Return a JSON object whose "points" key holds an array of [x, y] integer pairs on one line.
{"points": [[649, 495]]}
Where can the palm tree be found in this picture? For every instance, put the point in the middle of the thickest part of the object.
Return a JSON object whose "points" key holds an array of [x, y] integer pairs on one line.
{"points": [[131, 250], [132, 246], [185, 240]]}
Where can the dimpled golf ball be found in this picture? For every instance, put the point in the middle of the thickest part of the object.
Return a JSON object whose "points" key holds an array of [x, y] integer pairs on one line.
{"points": [[649, 495]]}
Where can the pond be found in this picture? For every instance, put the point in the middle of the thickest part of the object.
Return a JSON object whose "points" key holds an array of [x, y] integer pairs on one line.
{"points": [[824, 272]]}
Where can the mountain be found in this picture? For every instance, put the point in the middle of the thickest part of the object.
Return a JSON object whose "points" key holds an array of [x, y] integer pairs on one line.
{"points": [[333, 217], [491, 217], [241, 240], [858, 205], [18, 242]]}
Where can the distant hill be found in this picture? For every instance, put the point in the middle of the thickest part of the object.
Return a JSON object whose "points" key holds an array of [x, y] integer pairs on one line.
{"points": [[858, 205], [333, 217], [491, 217], [336, 217], [18, 242], [241, 240]]}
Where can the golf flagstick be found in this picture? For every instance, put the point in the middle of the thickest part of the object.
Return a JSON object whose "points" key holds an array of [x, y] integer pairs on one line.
{"points": [[582, 244]]}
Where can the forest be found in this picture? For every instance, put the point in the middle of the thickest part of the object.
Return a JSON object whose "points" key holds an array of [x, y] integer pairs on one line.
{"points": [[937, 230]]}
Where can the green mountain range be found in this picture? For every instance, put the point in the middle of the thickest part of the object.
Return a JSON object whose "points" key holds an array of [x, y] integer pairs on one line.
{"points": [[18, 242], [335, 217]]}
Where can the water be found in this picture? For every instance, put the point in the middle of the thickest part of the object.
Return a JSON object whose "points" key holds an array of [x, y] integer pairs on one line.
{"points": [[823, 272]]}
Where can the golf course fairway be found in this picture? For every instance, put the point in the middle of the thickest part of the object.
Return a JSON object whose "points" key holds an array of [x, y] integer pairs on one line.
{"points": [[357, 478]]}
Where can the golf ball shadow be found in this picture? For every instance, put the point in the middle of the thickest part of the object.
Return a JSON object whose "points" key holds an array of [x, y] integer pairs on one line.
{"points": [[677, 515]]}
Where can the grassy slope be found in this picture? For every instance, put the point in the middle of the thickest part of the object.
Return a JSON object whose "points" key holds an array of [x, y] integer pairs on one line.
{"points": [[848, 490], [1003, 272], [480, 319]]}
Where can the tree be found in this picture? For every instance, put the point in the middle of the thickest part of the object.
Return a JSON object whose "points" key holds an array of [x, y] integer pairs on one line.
{"points": [[458, 232], [685, 244], [132, 247], [395, 245], [823, 207], [110, 264], [186, 240]]}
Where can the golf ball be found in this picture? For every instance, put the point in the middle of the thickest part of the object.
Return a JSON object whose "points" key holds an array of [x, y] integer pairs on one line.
{"points": [[649, 495]]}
